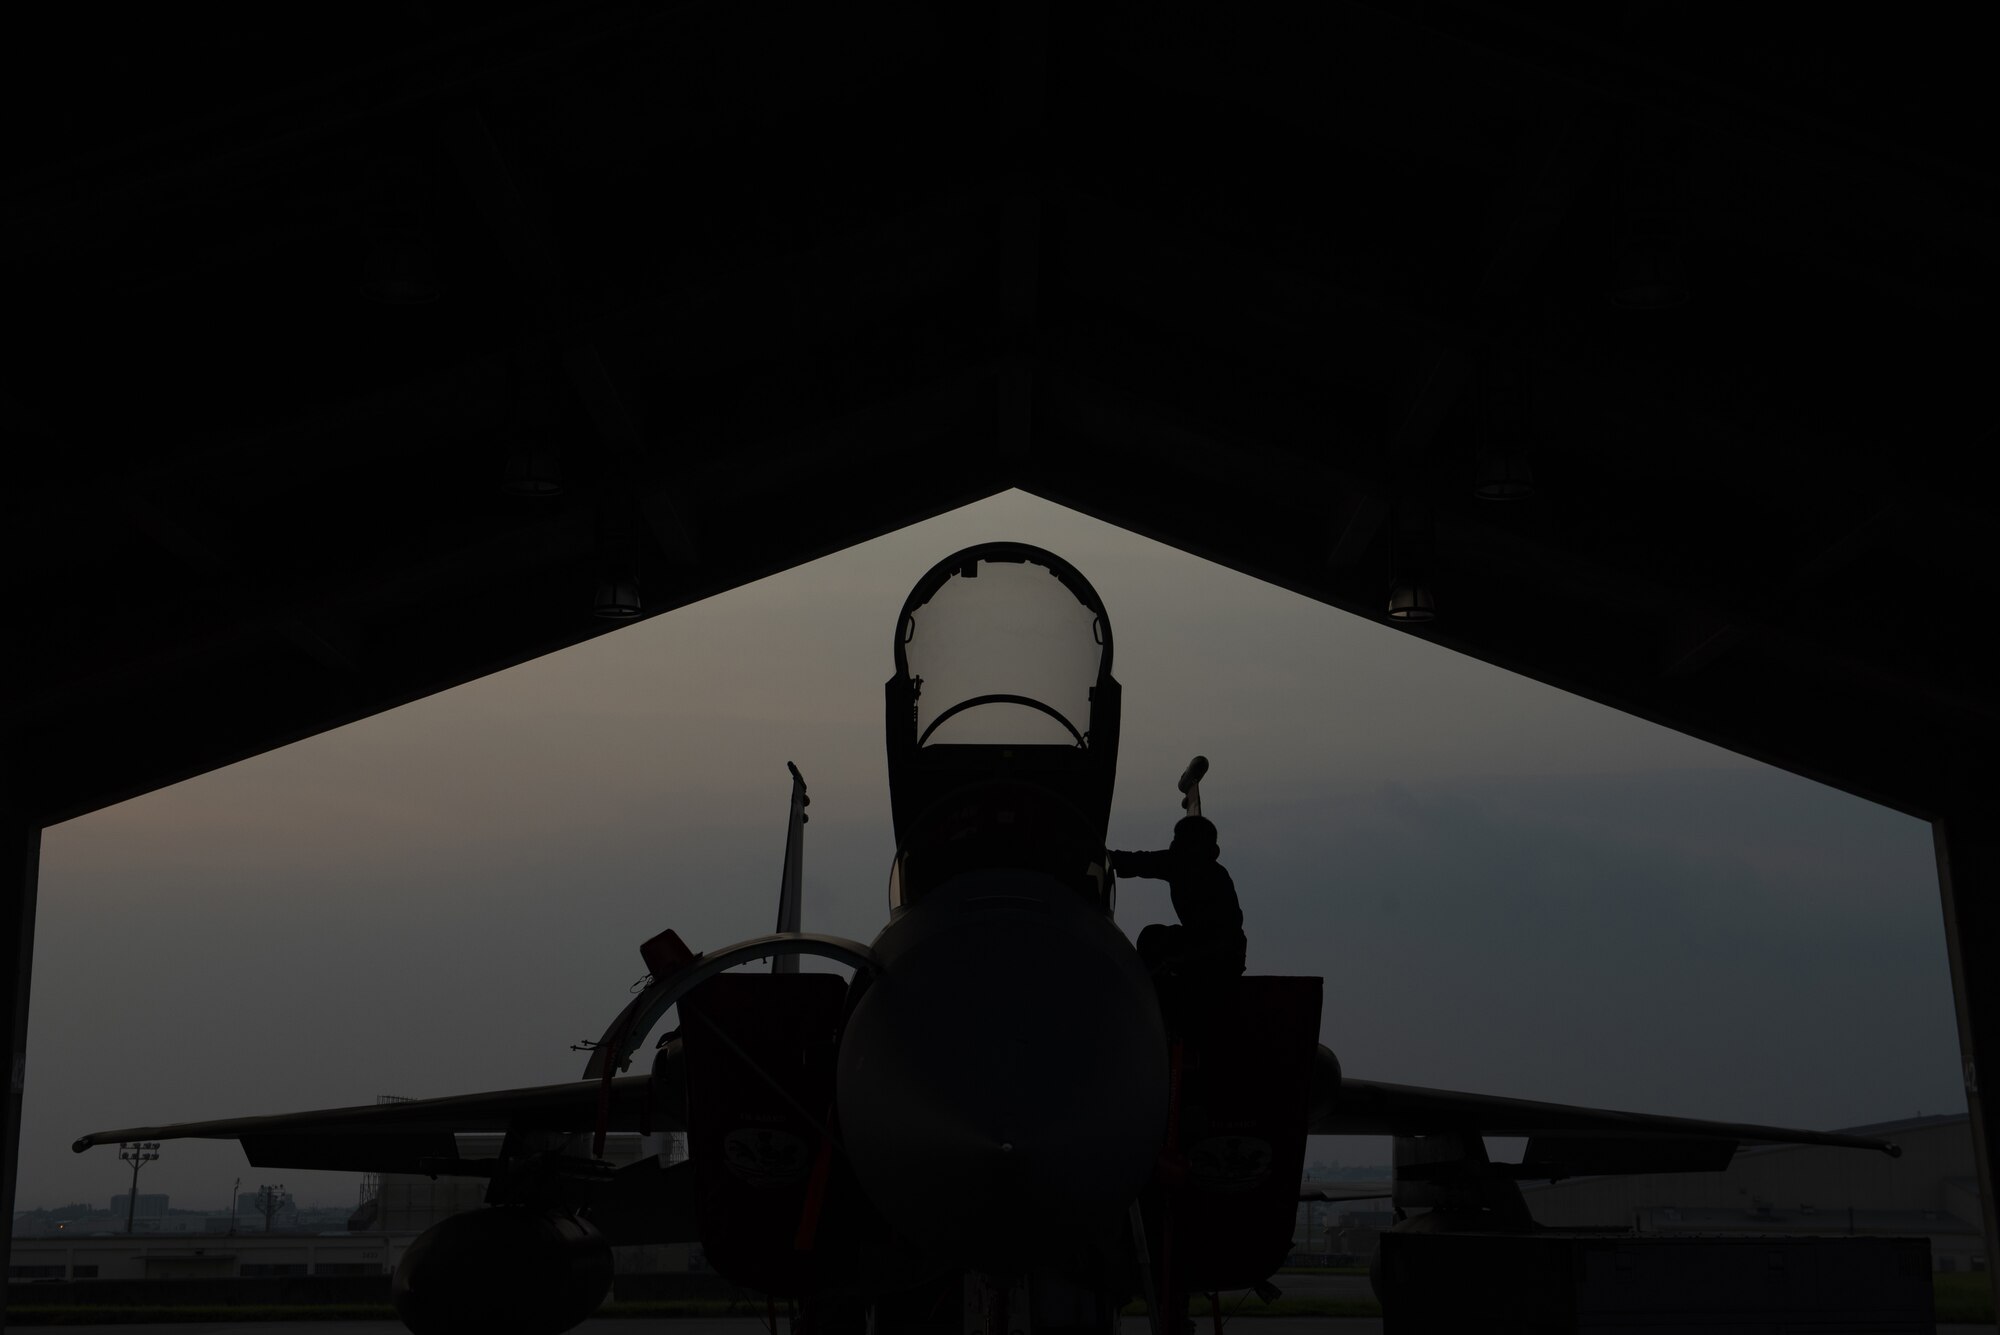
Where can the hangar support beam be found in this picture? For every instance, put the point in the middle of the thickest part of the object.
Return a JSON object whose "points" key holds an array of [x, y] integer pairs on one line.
{"points": [[21, 845], [1968, 857]]}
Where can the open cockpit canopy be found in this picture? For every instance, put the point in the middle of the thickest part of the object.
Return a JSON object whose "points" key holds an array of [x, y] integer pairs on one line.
{"points": [[1003, 645], [1002, 722]]}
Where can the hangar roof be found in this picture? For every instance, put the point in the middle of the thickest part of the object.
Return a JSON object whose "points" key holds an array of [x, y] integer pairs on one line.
{"points": [[1274, 285]]}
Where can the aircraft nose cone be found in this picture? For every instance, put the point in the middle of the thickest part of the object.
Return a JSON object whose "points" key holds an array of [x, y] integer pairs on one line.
{"points": [[1003, 1086]]}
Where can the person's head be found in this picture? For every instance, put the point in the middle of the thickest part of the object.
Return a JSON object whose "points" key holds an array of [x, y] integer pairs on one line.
{"points": [[1194, 836]]}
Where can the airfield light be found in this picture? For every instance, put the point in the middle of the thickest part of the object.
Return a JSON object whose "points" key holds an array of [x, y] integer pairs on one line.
{"points": [[137, 1153], [1411, 601], [270, 1200]]}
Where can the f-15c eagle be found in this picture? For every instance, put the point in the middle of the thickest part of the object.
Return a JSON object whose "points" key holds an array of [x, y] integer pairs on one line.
{"points": [[989, 1126]]}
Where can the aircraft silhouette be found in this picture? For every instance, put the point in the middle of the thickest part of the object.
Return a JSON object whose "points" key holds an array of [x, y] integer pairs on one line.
{"points": [[990, 1127]]}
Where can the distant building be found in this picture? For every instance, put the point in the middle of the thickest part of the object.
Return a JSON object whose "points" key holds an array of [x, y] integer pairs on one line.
{"points": [[66, 1221], [152, 1205], [1932, 1190], [159, 1224], [370, 1240]]}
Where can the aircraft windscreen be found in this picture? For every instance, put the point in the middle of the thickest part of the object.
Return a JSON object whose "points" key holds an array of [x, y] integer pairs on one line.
{"points": [[1011, 637]]}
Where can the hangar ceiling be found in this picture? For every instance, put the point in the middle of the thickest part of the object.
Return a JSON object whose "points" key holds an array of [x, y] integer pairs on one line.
{"points": [[1275, 286]]}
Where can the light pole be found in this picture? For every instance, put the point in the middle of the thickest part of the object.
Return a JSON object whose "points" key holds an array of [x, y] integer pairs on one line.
{"points": [[232, 1205], [269, 1200], [138, 1154]]}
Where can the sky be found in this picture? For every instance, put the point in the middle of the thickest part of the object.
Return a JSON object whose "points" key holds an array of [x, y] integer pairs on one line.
{"points": [[1507, 889]]}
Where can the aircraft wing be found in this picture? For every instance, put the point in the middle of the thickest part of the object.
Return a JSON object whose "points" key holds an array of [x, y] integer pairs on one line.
{"points": [[1564, 1139], [416, 1137]]}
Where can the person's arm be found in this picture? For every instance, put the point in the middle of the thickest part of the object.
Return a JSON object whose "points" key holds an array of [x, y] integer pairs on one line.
{"points": [[1145, 866]]}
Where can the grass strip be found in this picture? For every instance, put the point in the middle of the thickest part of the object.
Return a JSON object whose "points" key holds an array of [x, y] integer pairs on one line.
{"points": [[1963, 1297]]}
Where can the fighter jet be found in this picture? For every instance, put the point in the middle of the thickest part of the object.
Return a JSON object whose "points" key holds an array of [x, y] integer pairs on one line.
{"points": [[989, 1127]]}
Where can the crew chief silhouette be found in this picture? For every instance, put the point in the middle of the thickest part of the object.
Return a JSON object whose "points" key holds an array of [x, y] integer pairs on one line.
{"points": [[1208, 943]]}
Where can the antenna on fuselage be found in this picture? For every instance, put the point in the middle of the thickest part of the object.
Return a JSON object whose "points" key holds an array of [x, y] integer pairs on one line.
{"points": [[791, 887]]}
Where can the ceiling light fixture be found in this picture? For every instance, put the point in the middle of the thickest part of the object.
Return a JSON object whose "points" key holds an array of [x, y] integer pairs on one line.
{"points": [[533, 426], [533, 469], [1649, 272], [1501, 470], [1412, 558], [1411, 601], [617, 598], [399, 271], [1502, 475], [1648, 268]]}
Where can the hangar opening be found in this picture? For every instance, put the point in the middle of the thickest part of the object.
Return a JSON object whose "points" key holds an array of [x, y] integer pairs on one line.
{"points": [[1494, 876]]}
